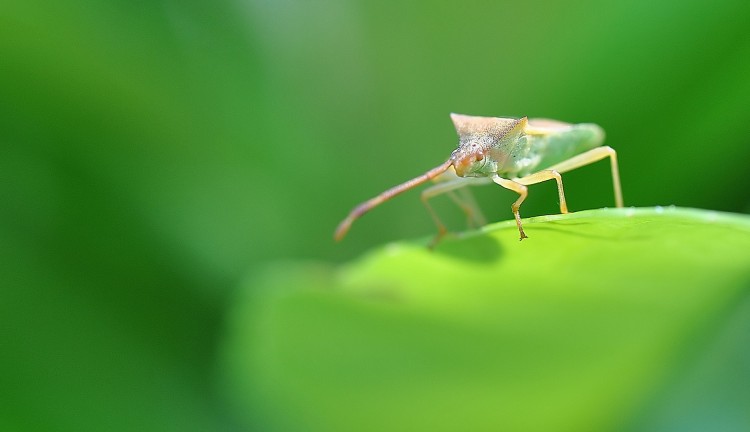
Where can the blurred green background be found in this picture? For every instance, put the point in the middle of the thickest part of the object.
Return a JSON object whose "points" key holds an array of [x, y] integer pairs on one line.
{"points": [[155, 153]]}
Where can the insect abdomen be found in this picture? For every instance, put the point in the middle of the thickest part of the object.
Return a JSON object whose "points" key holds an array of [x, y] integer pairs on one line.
{"points": [[561, 145]]}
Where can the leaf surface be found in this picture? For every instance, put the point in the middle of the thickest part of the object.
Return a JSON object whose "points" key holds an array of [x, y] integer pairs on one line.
{"points": [[624, 319]]}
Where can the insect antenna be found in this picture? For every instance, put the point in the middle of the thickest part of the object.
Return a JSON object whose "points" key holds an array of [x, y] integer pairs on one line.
{"points": [[368, 205]]}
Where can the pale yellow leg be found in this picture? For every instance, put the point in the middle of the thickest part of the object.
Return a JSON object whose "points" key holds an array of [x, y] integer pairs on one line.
{"points": [[590, 157], [464, 199], [521, 190], [541, 176], [470, 208]]}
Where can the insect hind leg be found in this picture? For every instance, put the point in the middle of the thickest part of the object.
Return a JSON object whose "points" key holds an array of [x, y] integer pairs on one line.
{"points": [[589, 157]]}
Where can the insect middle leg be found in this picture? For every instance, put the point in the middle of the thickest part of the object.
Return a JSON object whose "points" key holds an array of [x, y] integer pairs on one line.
{"points": [[467, 205], [541, 176], [590, 157]]}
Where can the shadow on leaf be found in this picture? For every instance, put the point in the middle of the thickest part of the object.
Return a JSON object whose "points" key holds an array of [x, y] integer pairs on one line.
{"points": [[477, 248]]}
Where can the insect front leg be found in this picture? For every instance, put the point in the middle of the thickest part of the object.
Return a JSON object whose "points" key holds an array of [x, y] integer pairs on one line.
{"points": [[521, 190], [465, 200], [590, 157], [541, 176], [472, 212]]}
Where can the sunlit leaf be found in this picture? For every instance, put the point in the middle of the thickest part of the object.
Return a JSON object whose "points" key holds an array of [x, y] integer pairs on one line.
{"points": [[602, 320]]}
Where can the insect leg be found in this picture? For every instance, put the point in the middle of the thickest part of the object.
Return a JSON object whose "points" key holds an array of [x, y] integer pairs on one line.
{"points": [[541, 176], [441, 188], [590, 157], [465, 199], [521, 190]]}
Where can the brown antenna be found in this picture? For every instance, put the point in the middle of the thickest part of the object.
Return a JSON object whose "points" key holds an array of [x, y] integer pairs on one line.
{"points": [[368, 205]]}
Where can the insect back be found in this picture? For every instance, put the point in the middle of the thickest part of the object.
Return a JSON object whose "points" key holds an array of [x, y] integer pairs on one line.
{"points": [[553, 142]]}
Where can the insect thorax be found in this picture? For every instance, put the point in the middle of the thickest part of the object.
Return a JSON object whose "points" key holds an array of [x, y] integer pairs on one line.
{"points": [[489, 149]]}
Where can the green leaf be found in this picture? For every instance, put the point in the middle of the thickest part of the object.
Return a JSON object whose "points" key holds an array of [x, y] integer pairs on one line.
{"points": [[626, 319]]}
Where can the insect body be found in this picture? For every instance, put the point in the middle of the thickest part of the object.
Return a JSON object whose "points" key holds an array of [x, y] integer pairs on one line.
{"points": [[512, 153]]}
